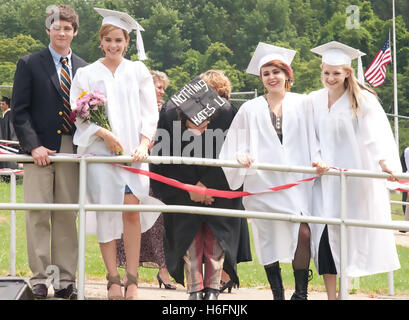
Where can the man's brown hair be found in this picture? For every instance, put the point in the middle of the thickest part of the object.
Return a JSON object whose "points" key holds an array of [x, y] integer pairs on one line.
{"points": [[64, 13]]}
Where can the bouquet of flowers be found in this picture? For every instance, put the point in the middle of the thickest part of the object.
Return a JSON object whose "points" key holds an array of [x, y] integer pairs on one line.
{"points": [[91, 108]]}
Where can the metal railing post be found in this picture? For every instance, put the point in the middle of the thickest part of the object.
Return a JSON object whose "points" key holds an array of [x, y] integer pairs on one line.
{"points": [[82, 228], [13, 199], [343, 282], [391, 290]]}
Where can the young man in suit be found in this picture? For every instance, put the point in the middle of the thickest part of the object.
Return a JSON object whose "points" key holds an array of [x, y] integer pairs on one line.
{"points": [[40, 113]]}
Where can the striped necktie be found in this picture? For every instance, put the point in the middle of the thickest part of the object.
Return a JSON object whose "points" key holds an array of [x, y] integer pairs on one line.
{"points": [[66, 86]]}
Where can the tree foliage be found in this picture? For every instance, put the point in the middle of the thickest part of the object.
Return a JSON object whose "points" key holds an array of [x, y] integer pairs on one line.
{"points": [[187, 37]]}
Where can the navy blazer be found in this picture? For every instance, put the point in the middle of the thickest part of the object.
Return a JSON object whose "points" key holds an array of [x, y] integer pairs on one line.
{"points": [[37, 103]]}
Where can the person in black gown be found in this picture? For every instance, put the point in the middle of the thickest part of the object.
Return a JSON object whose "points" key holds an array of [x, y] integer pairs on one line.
{"points": [[189, 238]]}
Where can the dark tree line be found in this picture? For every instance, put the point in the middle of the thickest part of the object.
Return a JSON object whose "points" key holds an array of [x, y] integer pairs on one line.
{"points": [[186, 37]]}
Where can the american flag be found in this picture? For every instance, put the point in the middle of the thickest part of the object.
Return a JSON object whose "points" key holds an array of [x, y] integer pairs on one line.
{"points": [[376, 72]]}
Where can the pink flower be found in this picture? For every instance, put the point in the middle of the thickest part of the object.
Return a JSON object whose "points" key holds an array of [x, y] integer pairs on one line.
{"points": [[91, 107]]}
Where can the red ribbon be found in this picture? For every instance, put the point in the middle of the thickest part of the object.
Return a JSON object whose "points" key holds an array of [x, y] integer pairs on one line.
{"points": [[7, 153], [208, 191], [403, 182], [11, 170]]}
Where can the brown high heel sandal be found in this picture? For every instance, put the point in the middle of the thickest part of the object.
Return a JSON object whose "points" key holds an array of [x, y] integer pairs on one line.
{"points": [[114, 280], [131, 279]]}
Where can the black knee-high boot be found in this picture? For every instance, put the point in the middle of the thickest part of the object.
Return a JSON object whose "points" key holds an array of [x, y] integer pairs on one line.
{"points": [[273, 272], [301, 277]]}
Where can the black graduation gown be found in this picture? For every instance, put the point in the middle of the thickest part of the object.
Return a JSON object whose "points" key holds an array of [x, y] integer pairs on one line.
{"points": [[7, 133], [180, 229], [404, 169]]}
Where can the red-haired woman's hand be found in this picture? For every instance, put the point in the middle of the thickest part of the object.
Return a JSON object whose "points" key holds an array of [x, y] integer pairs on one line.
{"points": [[321, 167]]}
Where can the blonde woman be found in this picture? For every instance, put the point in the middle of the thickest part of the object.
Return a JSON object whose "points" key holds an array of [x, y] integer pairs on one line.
{"points": [[161, 81], [133, 114], [351, 132]]}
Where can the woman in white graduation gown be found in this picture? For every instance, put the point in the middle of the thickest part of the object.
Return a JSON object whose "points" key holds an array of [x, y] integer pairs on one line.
{"points": [[273, 129], [352, 132], [133, 114]]}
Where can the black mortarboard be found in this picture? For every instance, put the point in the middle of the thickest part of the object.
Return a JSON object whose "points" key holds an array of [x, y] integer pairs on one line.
{"points": [[197, 100]]}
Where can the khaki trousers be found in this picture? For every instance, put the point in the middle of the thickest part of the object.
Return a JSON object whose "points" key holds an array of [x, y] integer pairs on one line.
{"points": [[52, 244]]}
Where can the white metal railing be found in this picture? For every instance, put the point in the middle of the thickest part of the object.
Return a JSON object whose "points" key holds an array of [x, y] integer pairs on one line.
{"points": [[82, 207], [397, 116], [253, 94], [13, 200]]}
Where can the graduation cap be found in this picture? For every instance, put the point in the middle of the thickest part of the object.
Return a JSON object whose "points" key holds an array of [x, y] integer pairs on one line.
{"points": [[124, 21], [267, 52], [335, 53], [197, 101]]}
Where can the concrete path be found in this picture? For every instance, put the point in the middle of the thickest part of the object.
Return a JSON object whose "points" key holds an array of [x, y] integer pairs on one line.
{"points": [[96, 290], [402, 239], [147, 291]]}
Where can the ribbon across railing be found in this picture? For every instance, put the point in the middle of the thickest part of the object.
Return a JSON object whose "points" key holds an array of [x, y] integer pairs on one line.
{"points": [[400, 185], [209, 191]]}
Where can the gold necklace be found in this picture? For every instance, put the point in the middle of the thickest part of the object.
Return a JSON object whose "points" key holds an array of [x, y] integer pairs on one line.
{"points": [[278, 123]]}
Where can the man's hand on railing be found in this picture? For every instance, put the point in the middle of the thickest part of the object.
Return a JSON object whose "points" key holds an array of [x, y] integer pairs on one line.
{"points": [[40, 156]]}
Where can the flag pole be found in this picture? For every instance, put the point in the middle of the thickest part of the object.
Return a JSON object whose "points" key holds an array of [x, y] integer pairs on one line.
{"points": [[395, 102], [395, 79]]}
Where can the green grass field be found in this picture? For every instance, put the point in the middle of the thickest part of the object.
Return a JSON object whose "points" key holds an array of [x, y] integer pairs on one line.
{"points": [[251, 273]]}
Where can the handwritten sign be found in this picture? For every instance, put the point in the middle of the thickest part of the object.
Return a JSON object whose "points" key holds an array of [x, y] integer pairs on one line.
{"points": [[198, 101]]}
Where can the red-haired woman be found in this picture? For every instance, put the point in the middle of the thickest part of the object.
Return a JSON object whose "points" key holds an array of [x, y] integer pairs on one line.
{"points": [[273, 129]]}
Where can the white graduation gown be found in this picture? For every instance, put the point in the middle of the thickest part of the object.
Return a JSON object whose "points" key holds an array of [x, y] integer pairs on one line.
{"points": [[132, 111], [252, 132], [347, 141]]}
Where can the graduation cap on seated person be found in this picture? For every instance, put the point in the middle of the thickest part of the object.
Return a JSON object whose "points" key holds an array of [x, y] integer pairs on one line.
{"points": [[197, 101]]}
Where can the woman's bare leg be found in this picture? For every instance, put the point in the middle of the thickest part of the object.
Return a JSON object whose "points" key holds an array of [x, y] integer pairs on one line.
{"points": [[108, 252], [132, 241], [330, 281]]}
